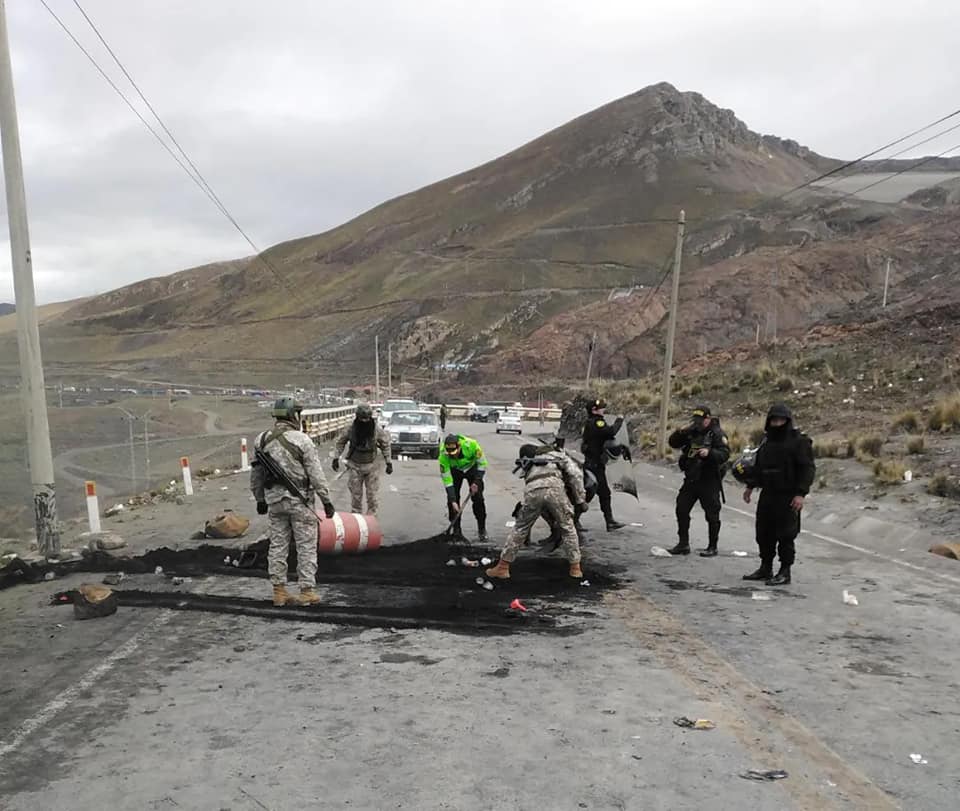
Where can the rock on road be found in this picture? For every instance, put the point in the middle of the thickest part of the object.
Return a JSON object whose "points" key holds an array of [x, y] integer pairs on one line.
{"points": [[157, 709]]}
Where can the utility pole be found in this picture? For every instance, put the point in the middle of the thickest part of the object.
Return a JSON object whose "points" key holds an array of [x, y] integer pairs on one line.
{"points": [[593, 344], [32, 387], [389, 368], [133, 456], [886, 284], [671, 335], [146, 446], [376, 364]]}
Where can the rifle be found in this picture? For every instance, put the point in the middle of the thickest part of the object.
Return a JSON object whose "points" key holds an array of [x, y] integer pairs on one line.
{"points": [[277, 473]]}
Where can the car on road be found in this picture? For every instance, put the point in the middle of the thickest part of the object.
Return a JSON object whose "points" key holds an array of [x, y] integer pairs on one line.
{"points": [[485, 413], [415, 432], [509, 422], [389, 407]]}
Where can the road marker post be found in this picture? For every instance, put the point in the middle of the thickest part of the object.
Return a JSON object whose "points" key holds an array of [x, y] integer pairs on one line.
{"points": [[244, 457], [93, 507], [187, 480]]}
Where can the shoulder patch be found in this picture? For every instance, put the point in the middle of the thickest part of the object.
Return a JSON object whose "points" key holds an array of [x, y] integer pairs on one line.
{"points": [[600, 423]]}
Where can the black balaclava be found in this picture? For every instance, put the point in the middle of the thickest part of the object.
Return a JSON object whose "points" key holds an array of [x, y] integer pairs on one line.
{"points": [[778, 434]]}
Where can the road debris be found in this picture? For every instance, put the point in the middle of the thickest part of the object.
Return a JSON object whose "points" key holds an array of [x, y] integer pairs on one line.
{"points": [[485, 561], [470, 564], [113, 579], [759, 595], [516, 605], [116, 509], [738, 554], [451, 562], [158, 570], [226, 525], [488, 585], [659, 552], [919, 759], [849, 599], [92, 601], [699, 723], [584, 582], [764, 774], [49, 576]]}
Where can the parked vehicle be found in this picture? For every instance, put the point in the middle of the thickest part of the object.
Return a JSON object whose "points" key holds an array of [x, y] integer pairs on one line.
{"points": [[509, 422], [415, 432], [390, 406]]}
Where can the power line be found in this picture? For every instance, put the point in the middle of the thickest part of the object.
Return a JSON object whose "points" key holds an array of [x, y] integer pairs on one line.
{"points": [[196, 176]]}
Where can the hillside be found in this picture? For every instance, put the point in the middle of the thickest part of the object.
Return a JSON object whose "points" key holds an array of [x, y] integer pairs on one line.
{"points": [[462, 268]]}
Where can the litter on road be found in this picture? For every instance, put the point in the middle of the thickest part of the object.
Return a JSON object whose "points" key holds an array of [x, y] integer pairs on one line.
{"points": [[451, 562], [759, 595], [158, 570], [699, 723], [918, 759], [517, 605], [659, 552], [764, 774], [738, 554], [849, 599]]}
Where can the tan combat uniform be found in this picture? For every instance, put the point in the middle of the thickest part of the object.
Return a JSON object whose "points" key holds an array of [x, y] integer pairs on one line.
{"points": [[289, 517], [545, 492], [362, 469]]}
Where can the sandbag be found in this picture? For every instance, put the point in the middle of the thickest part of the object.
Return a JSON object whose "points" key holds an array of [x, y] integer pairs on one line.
{"points": [[947, 550], [93, 601], [228, 525]]}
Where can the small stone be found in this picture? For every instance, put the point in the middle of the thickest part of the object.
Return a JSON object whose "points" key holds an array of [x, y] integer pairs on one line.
{"points": [[158, 570], [49, 576]]}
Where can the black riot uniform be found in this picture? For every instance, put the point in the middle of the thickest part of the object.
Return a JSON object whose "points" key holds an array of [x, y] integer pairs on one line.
{"points": [[784, 469], [596, 433], [702, 477]]}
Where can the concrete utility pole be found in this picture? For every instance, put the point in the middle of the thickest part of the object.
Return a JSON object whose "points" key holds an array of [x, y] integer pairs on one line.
{"points": [[133, 456], [389, 368], [671, 335], [376, 364], [146, 446], [32, 387], [593, 344], [886, 284]]}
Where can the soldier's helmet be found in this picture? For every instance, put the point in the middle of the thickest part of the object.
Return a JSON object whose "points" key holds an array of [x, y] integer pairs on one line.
{"points": [[287, 408], [364, 412]]}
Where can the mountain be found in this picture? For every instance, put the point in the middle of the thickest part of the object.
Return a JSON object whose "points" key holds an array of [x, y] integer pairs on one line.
{"points": [[458, 269], [6, 308], [508, 268]]}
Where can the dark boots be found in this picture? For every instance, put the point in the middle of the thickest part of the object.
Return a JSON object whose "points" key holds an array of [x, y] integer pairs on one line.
{"points": [[782, 577], [612, 523], [709, 552], [680, 549], [765, 572]]}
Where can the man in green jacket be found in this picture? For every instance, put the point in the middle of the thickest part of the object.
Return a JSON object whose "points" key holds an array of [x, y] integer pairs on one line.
{"points": [[462, 460]]}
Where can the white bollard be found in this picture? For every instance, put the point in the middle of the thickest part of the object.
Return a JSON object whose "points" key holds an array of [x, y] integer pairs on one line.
{"points": [[244, 458], [93, 507], [187, 481]]}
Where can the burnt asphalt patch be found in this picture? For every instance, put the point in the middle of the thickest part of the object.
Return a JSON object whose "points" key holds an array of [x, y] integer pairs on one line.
{"points": [[403, 586]]}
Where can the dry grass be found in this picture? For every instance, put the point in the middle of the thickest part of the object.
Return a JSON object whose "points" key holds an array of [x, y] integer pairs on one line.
{"points": [[765, 372], [889, 471], [908, 421], [916, 445], [871, 445], [830, 448], [945, 415], [944, 485], [785, 384]]}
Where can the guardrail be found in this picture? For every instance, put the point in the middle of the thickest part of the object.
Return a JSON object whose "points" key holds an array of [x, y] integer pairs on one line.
{"points": [[460, 410], [323, 423]]}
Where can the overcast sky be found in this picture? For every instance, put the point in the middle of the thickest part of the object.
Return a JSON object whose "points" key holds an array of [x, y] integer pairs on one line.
{"points": [[304, 113]]}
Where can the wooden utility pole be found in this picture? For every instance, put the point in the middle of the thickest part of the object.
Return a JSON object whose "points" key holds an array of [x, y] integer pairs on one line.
{"points": [[376, 364], [32, 388], [593, 345], [886, 284], [389, 369], [671, 335]]}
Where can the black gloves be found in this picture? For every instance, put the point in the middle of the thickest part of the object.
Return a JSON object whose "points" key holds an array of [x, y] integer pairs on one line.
{"points": [[262, 508], [389, 468], [329, 509], [335, 464]]}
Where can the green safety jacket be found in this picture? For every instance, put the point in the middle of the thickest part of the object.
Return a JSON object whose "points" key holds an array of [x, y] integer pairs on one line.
{"points": [[471, 457]]}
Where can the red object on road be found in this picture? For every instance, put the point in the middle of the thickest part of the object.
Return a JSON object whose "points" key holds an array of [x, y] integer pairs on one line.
{"points": [[348, 533], [516, 605]]}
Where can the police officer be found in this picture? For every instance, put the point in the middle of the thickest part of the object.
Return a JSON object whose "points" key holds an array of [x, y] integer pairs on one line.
{"points": [[365, 438], [462, 460], [596, 433], [550, 479], [443, 417], [704, 450], [784, 471], [296, 455]]}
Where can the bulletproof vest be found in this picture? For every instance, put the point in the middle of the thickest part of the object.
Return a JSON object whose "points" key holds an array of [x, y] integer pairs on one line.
{"points": [[363, 449]]}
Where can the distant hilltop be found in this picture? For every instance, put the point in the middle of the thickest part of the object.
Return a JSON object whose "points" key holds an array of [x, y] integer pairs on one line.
{"points": [[6, 308]]}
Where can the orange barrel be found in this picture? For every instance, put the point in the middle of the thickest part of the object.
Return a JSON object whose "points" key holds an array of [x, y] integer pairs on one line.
{"points": [[348, 533]]}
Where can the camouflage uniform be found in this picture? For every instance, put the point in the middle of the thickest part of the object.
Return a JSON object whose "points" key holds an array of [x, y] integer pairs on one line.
{"points": [[545, 492], [290, 519], [362, 469]]}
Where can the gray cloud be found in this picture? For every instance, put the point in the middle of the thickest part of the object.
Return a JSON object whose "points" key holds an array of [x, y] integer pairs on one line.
{"points": [[304, 114]]}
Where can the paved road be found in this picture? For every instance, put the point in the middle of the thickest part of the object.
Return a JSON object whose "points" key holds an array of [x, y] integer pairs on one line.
{"points": [[158, 709]]}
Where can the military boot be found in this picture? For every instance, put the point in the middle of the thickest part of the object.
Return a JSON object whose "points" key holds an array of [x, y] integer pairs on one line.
{"points": [[283, 597], [765, 572], [709, 552], [482, 533], [613, 524], [501, 571], [782, 577], [308, 596], [576, 571], [680, 549]]}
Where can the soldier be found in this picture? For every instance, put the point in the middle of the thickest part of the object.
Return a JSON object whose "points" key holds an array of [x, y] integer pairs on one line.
{"points": [[462, 460], [549, 475], [704, 450], [365, 438], [596, 433], [296, 455], [784, 470]]}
